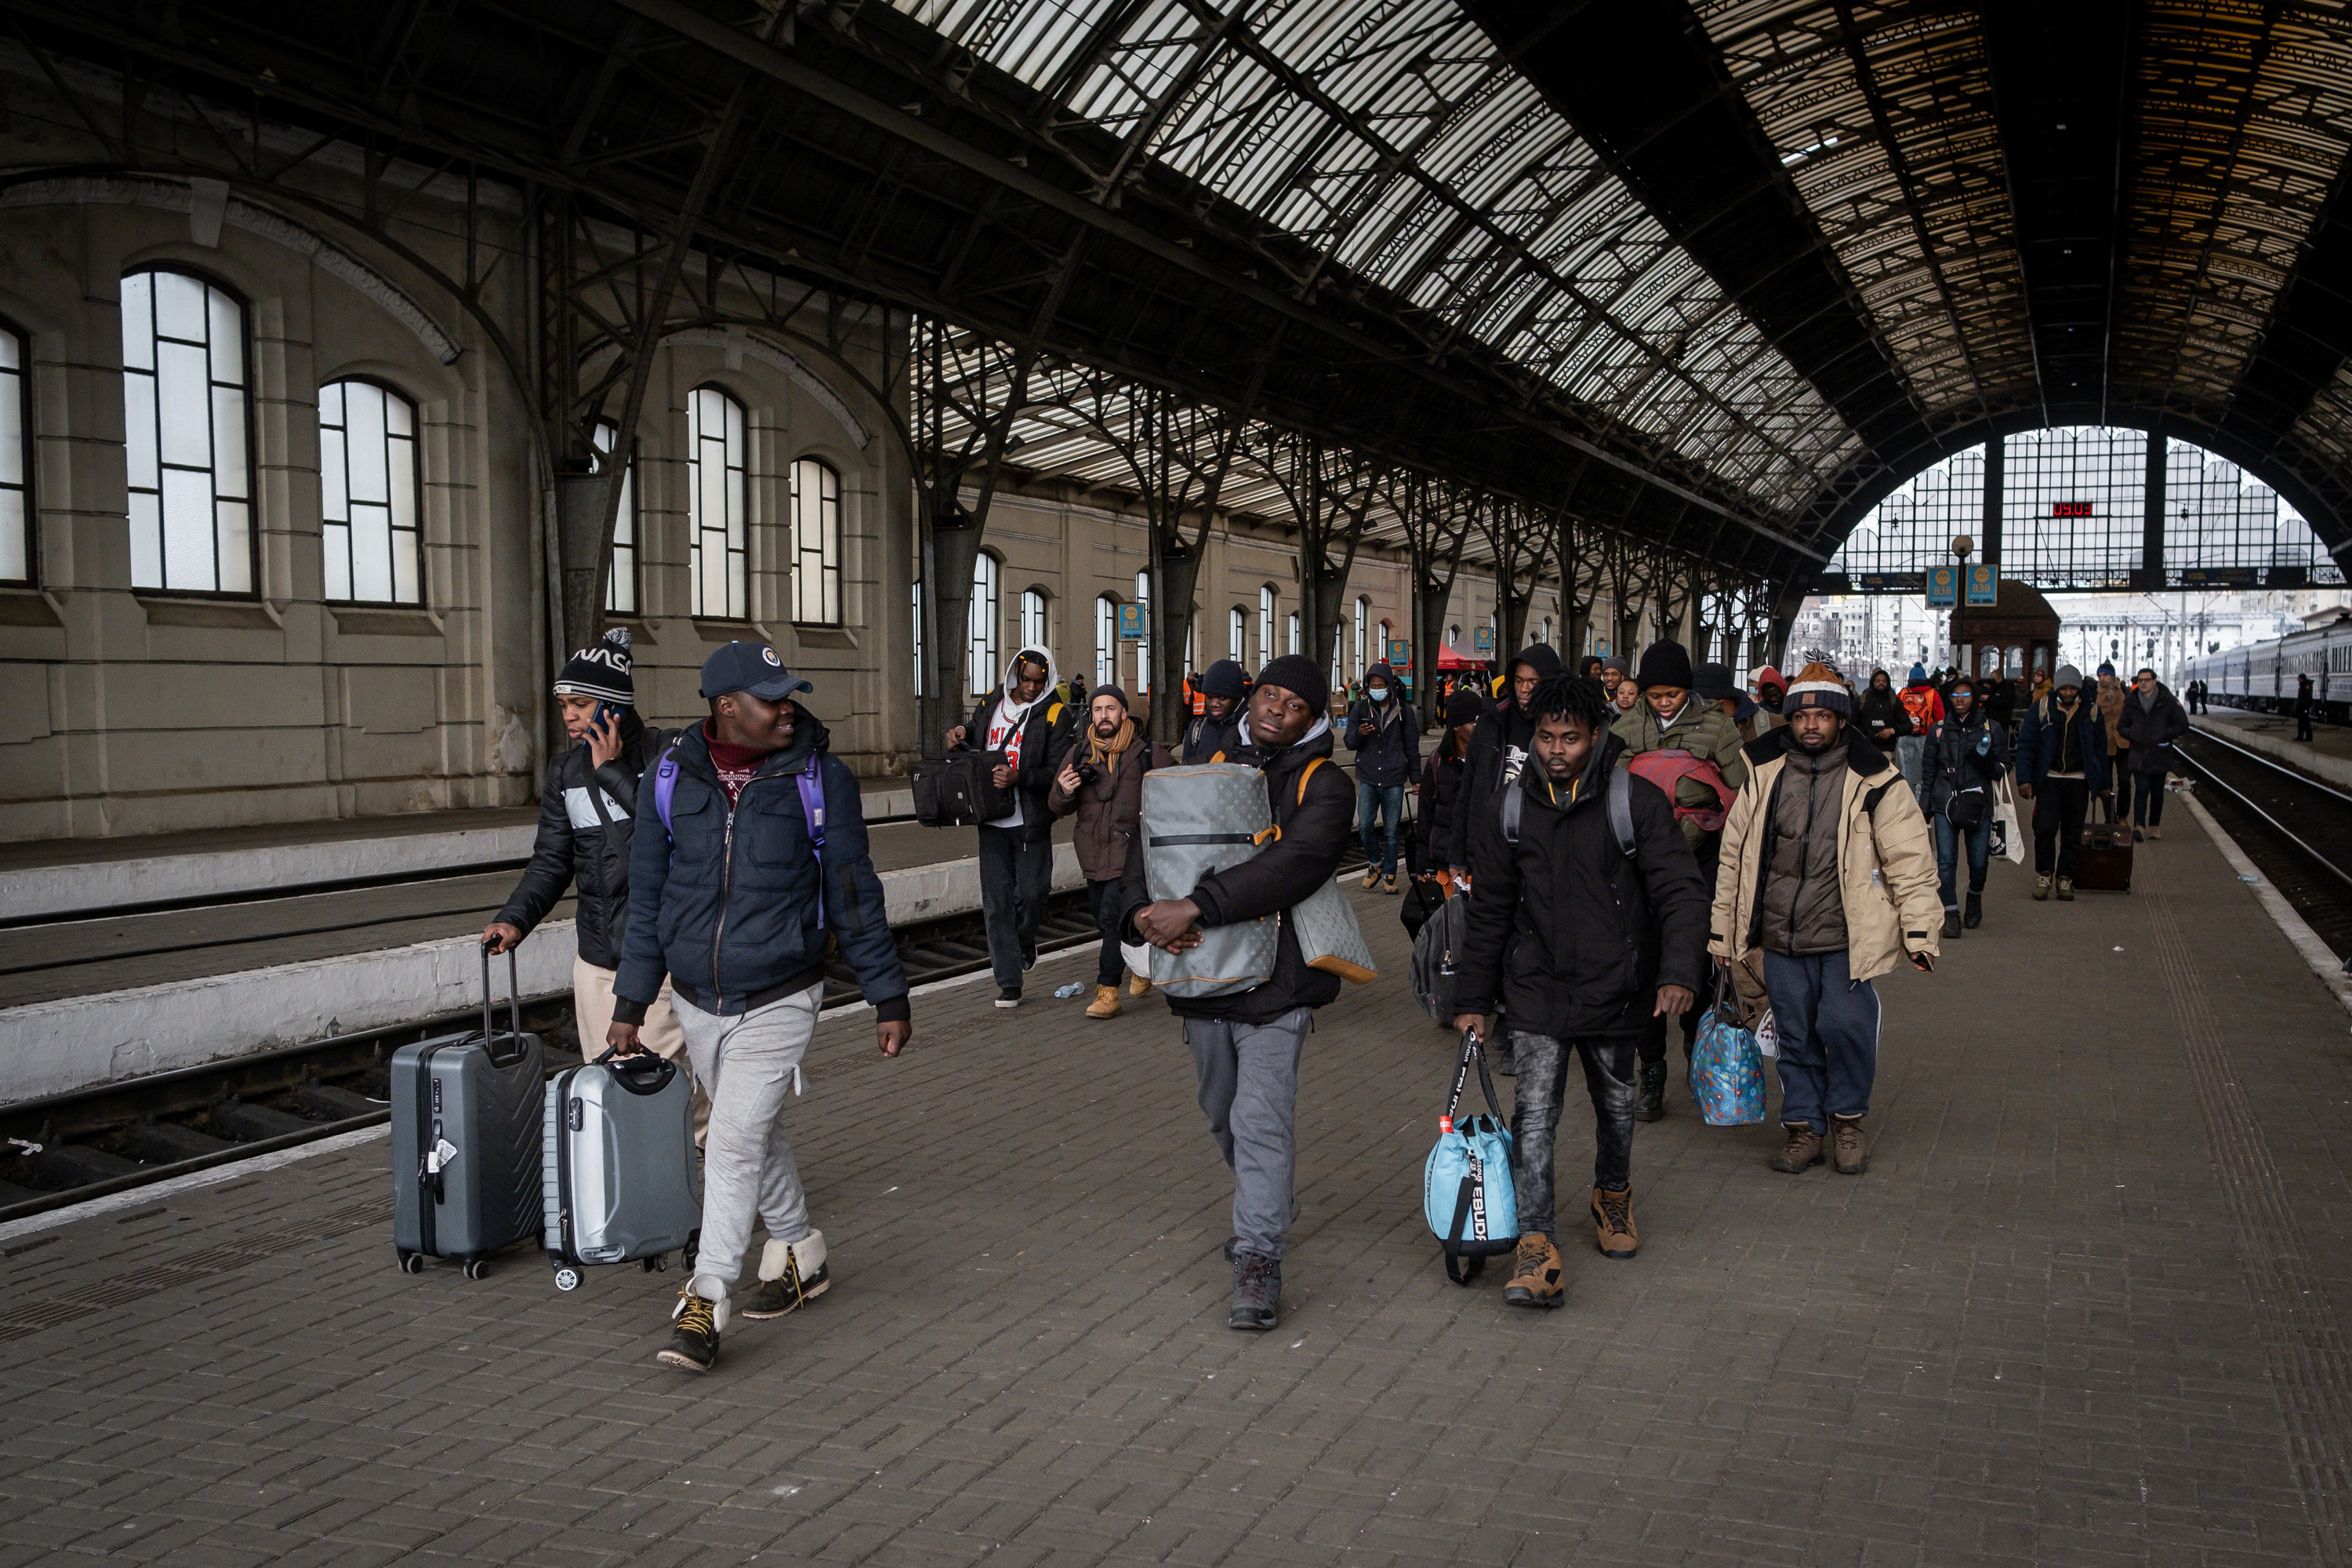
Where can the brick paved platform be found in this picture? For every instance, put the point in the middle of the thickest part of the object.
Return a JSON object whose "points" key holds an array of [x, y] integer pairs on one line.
{"points": [[2084, 1309]]}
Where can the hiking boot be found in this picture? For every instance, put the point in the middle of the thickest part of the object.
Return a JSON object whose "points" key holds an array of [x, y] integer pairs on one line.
{"points": [[791, 1275], [1106, 1003], [1612, 1223], [1851, 1155], [1951, 924], [1975, 917], [1009, 997], [1534, 1274], [1388, 884], [1257, 1291], [1137, 984], [2065, 889], [1650, 1094], [1372, 878], [1802, 1153], [694, 1337], [2041, 889]]}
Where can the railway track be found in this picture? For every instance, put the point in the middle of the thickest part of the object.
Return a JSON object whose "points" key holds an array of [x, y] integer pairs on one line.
{"points": [[2297, 830]]}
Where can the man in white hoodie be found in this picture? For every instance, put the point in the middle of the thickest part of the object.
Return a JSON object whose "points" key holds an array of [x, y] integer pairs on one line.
{"points": [[1020, 721]]}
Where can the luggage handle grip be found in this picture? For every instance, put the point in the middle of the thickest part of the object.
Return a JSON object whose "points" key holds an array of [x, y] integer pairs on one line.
{"points": [[639, 1072], [514, 1008]]}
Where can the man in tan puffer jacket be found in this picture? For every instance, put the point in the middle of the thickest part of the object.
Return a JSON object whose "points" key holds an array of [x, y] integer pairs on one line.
{"points": [[1828, 870]]}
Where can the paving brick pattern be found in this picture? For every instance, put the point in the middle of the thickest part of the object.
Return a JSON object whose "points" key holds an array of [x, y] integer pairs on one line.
{"points": [[2026, 1336]]}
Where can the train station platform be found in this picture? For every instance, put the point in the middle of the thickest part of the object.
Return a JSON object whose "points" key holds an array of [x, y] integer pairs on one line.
{"points": [[2087, 1306], [2327, 757]]}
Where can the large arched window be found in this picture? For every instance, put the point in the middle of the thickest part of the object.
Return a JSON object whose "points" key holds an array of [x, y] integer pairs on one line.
{"points": [[719, 554], [1105, 640], [1291, 644], [1267, 600], [980, 623], [1033, 631], [1236, 634], [16, 461], [367, 493], [621, 574], [816, 543], [184, 433]]}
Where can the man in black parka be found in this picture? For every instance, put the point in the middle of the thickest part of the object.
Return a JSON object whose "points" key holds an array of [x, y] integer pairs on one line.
{"points": [[1498, 746]]}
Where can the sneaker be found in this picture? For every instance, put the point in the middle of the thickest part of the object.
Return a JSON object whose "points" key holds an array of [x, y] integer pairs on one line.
{"points": [[1028, 956], [1372, 878], [790, 1276], [1388, 884], [1009, 997], [2156, 833], [1975, 917], [2136, 834], [2041, 889], [1852, 1154], [1534, 1275], [1951, 924], [1106, 1003], [694, 1334], [2065, 889], [1257, 1291], [1137, 984], [1650, 1101], [1612, 1223], [1802, 1153]]}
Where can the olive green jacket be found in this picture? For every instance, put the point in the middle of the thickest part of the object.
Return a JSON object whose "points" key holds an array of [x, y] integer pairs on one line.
{"points": [[1701, 729]]}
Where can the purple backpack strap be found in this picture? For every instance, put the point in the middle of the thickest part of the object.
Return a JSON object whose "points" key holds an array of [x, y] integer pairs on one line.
{"points": [[665, 785], [812, 809]]}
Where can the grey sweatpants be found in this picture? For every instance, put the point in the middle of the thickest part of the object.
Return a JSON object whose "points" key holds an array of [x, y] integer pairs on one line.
{"points": [[1249, 1087], [747, 1064]]}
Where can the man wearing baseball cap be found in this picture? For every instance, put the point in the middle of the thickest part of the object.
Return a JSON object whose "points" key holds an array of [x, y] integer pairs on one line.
{"points": [[751, 862]]}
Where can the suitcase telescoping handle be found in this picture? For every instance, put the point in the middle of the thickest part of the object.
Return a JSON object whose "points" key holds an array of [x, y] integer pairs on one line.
{"points": [[514, 1005]]}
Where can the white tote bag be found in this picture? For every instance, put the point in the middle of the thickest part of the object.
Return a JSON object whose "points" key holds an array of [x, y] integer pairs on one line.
{"points": [[2007, 831]]}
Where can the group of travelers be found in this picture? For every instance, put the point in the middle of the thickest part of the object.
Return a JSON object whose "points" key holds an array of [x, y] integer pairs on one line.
{"points": [[1617, 858]]}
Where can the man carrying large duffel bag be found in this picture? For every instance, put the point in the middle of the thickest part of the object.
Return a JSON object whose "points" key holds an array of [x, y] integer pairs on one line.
{"points": [[1246, 1045]]}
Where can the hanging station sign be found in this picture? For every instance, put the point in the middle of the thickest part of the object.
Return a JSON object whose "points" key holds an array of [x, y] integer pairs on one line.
{"points": [[1133, 621], [1984, 582], [1943, 587]]}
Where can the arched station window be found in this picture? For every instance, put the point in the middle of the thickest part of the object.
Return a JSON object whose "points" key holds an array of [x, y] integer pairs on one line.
{"points": [[1237, 636], [186, 426], [720, 530], [1105, 640], [1266, 599], [367, 493], [620, 575], [980, 625], [1034, 632], [816, 543], [16, 460], [1291, 644]]}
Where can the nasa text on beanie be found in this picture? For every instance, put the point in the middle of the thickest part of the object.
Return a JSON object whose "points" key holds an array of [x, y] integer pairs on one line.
{"points": [[602, 671]]}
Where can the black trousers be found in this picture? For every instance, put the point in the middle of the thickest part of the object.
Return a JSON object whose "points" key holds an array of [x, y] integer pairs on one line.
{"points": [[1536, 1100], [1016, 878], [2058, 808], [2303, 721], [1111, 967]]}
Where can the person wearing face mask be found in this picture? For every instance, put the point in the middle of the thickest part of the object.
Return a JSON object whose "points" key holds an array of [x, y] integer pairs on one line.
{"points": [[1247, 1044], [1963, 751], [1827, 871], [1386, 740], [2062, 763], [2152, 720]]}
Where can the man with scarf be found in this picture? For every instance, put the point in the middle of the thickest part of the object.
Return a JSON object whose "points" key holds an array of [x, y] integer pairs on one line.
{"points": [[1386, 740], [1016, 851], [2152, 718], [2108, 697], [1246, 1044], [2062, 763], [1101, 779]]}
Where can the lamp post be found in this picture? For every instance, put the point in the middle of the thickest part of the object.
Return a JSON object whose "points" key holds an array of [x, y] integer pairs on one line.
{"points": [[1961, 546]]}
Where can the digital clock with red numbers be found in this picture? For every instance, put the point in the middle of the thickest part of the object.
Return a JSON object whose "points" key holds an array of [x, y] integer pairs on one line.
{"points": [[2070, 508]]}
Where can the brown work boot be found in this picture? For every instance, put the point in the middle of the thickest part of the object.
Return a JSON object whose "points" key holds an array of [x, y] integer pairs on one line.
{"points": [[1137, 985], [1371, 877], [2041, 889], [1612, 1223], [1802, 1153], [1535, 1282], [1106, 1003], [1851, 1154]]}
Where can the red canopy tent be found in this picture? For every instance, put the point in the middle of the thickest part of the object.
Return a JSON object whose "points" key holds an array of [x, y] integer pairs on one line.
{"points": [[1452, 657]]}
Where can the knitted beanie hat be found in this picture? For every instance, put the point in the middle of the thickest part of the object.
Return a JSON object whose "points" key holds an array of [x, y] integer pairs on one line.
{"points": [[1819, 686], [1664, 663], [1297, 674], [602, 671], [1225, 678]]}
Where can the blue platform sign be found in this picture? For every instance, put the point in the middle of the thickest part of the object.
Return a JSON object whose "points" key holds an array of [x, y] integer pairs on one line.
{"points": [[1943, 587], [1484, 641], [1133, 623], [1984, 582], [1399, 654]]}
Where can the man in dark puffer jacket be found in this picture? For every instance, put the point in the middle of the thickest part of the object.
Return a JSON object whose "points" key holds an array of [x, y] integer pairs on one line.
{"points": [[584, 841]]}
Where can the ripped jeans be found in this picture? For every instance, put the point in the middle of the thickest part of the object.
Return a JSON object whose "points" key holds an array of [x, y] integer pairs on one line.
{"points": [[1542, 1062]]}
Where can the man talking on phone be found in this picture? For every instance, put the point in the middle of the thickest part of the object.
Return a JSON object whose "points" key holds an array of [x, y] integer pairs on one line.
{"points": [[587, 810]]}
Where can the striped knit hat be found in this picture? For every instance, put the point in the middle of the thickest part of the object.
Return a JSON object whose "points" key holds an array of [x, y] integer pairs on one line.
{"points": [[602, 671], [1819, 686]]}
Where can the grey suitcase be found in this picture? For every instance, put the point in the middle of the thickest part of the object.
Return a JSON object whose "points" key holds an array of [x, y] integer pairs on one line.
{"points": [[467, 1111], [620, 1182], [1197, 821]]}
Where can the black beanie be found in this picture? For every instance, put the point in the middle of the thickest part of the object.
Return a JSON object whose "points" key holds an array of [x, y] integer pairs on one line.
{"points": [[1464, 708], [1225, 678], [602, 672], [1295, 673], [1664, 663], [1108, 691]]}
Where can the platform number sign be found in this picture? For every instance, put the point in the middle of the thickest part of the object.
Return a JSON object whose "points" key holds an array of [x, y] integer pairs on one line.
{"points": [[1132, 627], [1943, 587], [1399, 653], [1984, 582]]}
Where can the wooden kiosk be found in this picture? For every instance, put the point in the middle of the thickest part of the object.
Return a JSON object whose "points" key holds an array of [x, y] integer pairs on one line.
{"points": [[2013, 638]]}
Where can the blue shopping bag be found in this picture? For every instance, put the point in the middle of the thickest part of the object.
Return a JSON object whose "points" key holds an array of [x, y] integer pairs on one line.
{"points": [[1727, 1069], [1467, 1191]]}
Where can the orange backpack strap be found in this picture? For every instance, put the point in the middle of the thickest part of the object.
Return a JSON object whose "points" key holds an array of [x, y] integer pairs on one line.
{"points": [[1307, 772]]}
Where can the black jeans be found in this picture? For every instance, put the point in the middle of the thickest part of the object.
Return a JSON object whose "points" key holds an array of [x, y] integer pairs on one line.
{"points": [[1534, 1118], [1111, 967], [2058, 808], [2124, 780], [1016, 878], [2303, 721], [2147, 799]]}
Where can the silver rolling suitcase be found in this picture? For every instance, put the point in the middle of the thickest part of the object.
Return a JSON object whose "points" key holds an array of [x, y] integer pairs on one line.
{"points": [[621, 1183], [467, 1113]]}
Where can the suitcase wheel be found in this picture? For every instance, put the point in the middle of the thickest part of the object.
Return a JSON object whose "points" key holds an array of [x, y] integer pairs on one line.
{"points": [[567, 1278], [476, 1268], [653, 1265], [411, 1262]]}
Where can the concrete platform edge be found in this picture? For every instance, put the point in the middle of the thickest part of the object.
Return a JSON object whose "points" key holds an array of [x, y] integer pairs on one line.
{"points": [[2303, 759], [2316, 953]]}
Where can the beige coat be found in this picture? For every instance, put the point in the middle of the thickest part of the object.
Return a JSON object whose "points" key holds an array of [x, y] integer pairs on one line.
{"points": [[1886, 863]]}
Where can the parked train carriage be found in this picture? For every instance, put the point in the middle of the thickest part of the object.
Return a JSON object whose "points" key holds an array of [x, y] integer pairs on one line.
{"points": [[2261, 677]]}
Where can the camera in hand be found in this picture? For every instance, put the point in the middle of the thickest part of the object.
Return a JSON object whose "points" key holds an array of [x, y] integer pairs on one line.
{"points": [[1087, 772]]}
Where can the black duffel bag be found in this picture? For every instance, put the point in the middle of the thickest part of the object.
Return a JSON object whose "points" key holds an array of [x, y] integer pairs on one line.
{"points": [[959, 789]]}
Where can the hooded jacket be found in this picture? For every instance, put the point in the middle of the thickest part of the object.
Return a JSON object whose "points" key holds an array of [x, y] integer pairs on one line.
{"points": [[1205, 737], [1962, 752], [1441, 792], [1885, 861], [1880, 709], [1567, 934], [1502, 740], [1391, 754], [726, 902], [2039, 742], [580, 846], [1045, 731], [2148, 732], [1318, 825]]}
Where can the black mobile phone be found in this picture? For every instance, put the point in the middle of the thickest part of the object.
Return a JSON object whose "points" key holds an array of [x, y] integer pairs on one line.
{"points": [[606, 713]]}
